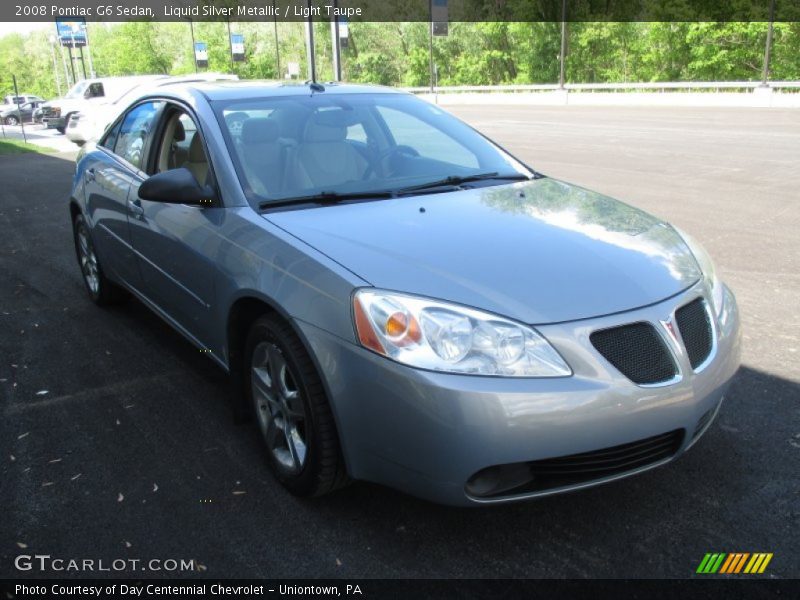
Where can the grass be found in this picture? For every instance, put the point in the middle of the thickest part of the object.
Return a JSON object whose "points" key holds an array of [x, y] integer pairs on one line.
{"points": [[9, 146]]}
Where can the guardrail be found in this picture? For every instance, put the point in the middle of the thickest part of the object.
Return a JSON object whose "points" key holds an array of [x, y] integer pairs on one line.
{"points": [[654, 86], [776, 94]]}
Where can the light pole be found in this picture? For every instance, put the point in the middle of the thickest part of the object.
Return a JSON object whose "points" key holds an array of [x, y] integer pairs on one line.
{"points": [[768, 48], [52, 40], [561, 56], [337, 57], [312, 68], [194, 54], [430, 42], [277, 49]]}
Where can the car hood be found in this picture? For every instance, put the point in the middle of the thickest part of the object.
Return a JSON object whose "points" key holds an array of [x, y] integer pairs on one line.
{"points": [[540, 252]]}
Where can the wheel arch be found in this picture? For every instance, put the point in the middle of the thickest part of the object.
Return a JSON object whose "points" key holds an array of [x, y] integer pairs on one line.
{"points": [[249, 306]]}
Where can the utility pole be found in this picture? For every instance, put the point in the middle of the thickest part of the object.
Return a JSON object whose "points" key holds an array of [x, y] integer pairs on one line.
{"points": [[768, 48], [67, 82], [312, 68], [194, 55], [277, 49], [562, 54], [19, 112], [430, 42], [89, 52], [337, 57], [52, 40], [71, 63], [83, 62], [230, 44]]}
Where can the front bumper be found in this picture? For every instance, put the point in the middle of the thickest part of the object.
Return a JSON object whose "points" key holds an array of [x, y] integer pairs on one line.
{"points": [[427, 433], [54, 122]]}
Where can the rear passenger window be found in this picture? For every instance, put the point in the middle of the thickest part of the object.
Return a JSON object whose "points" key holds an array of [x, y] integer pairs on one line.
{"points": [[134, 131]]}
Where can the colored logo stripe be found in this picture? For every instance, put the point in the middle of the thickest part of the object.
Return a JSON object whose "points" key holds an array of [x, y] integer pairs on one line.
{"points": [[758, 563], [734, 562]]}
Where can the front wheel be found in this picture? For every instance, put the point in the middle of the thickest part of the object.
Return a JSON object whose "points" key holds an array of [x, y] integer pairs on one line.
{"points": [[12, 120], [102, 291], [292, 412]]}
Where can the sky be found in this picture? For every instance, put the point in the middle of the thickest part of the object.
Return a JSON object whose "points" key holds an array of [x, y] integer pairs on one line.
{"points": [[24, 27]]}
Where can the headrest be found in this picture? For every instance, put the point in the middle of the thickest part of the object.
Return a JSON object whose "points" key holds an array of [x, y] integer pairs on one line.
{"points": [[196, 153], [329, 125], [259, 131], [179, 134]]}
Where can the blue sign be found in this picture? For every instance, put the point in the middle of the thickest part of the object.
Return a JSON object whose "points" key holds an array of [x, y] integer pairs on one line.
{"points": [[71, 33], [201, 54], [237, 46]]}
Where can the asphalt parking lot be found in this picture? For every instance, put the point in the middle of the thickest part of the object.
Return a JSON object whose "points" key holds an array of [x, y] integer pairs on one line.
{"points": [[116, 440]]}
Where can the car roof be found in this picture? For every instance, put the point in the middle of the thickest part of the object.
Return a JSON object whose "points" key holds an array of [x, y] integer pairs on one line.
{"points": [[242, 90]]}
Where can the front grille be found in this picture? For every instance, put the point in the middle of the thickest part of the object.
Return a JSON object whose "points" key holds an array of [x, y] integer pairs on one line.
{"points": [[588, 466], [695, 327], [576, 469], [637, 351]]}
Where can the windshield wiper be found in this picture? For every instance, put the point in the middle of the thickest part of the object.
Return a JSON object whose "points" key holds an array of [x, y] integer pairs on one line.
{"points": [[325, 198], [456, 180]]}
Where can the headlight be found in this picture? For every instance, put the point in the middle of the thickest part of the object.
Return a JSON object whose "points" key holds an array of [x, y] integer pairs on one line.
{"points": [[715, 288], [446, 337]]}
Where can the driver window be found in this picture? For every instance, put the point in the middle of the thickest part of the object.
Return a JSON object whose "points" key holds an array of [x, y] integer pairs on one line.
{"points": [[181, 145], [133, 132], [95, 90]]}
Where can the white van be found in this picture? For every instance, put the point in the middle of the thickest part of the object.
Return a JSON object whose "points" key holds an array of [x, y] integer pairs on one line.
{"points": [[90, 122], [86, 94]]}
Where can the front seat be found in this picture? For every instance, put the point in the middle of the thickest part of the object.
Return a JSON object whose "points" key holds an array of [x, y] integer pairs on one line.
{"points": [[263, 155], [197, 163], [176, 155], [325, 158]]}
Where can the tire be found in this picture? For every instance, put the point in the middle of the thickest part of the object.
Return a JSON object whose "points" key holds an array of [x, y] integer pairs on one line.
{"points": [[292, 414], [101, 291], [11, 120]]}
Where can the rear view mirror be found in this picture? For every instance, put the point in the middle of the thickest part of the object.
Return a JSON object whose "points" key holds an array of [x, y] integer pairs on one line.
{"points": [[177, 186]]}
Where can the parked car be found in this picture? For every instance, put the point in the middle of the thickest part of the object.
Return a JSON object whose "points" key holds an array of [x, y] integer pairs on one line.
{"points": [[400, 300], [92, 122], [88, 94], [12, 100], [13, 115]]}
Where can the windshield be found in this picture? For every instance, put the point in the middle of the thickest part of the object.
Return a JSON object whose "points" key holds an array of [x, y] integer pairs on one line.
{"points": [[77, 90], [298, 146]]}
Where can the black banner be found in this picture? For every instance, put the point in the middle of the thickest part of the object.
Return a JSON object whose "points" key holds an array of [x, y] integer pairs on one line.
{"points": [[402, 10], [494, 589]]}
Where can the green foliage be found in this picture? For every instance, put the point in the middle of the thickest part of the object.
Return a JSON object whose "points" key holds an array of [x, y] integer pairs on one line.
{"points": [[491, 52]]}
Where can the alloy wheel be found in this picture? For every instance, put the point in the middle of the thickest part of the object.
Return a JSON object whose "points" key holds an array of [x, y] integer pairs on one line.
{"points": [[279, 407], [88, 261]]}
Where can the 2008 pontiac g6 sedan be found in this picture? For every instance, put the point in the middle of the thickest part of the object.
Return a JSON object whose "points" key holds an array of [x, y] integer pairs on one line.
{"points": [[398, 299]]}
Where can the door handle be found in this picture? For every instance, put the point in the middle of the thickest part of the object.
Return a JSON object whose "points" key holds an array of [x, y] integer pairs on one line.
{"points": [[89, 174], [135, 207]]}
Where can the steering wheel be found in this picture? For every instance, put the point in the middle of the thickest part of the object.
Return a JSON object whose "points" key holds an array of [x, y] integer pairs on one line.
{"points": [[384, 160]]}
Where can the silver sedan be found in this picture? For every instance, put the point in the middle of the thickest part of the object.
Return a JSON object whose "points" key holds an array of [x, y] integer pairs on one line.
{"points": [[400, 300]]}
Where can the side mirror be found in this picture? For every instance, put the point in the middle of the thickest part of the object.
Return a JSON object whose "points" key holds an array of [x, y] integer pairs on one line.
{"points": [[177, 186]]}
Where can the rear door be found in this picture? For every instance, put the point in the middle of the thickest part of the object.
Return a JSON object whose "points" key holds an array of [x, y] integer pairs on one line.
{"points": [[109, 174]]}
